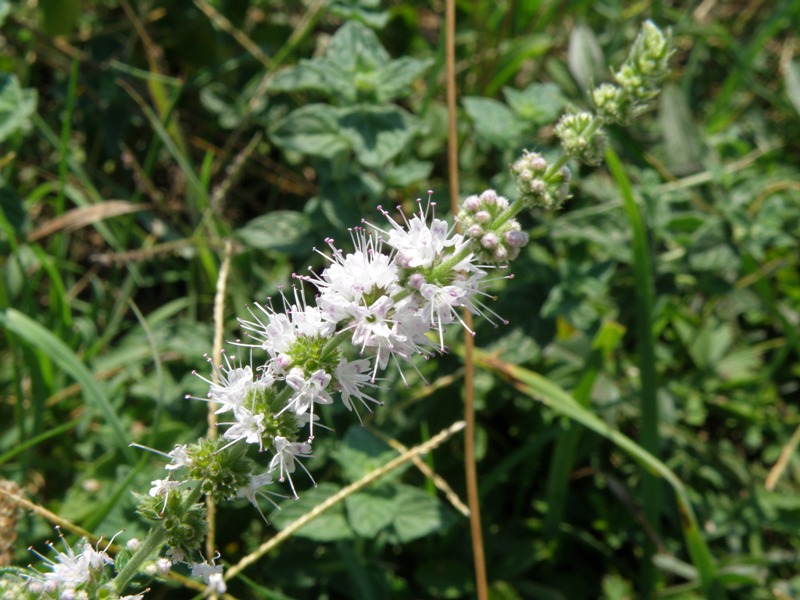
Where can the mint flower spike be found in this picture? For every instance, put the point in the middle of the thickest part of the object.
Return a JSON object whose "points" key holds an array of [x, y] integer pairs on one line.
{"points": [[637, 79], [492, 238], [539, 183], [71, 575], [581, 137]]}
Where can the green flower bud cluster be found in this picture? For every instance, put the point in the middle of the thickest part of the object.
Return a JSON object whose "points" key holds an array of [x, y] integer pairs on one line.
{"points": [[537, 185], [581, 133], [638, 78], [581, 137], [184, 522], [220, 472], [492, 237]]}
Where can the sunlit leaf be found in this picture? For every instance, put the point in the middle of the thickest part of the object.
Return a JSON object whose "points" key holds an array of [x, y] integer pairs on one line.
{"points": [[17, 105]]}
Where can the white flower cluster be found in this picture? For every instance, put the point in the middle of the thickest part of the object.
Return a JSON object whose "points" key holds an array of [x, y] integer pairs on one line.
{"points": [[389, 299], [70, 576]]}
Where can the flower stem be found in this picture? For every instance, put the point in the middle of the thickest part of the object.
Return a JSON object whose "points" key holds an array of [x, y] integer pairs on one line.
{"points": [[479, 561]]}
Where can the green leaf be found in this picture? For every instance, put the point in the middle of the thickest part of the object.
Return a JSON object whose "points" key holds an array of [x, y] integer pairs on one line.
{"points": [[791, 79], [539, 103], [683, 147], [354, 68], [300, 77], [40, 338], [329, 526], [355, 47], [394, 80], [377, 133], [283, 231], [366, 11], [17, 105], [313, 130], [585, 58], [418, 514], [370, 512], [408, 172], [494, 122], [5, 9], [362, 453]]}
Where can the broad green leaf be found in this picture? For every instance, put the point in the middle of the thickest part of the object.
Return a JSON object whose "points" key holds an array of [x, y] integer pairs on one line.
{"points": [[585, 58], [313, 130], [494, 122], [418, 514], [355, 47], [683, 148], [283, 231], [740, 365], [367, 11], [377, 133], [300, 77], [408, 172], [17, 105], [329, 526], [711, 343], [539, 103], [354, 68], [394, 79], [791, 79], [40, 338], [5, 9], [370, 512], [361, 453]]}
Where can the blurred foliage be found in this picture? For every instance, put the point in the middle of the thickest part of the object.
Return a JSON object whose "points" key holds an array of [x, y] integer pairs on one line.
{"points": [[135, 138]]}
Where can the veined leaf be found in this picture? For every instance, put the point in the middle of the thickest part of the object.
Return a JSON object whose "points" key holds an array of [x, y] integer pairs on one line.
{"points": [[17, 105]]}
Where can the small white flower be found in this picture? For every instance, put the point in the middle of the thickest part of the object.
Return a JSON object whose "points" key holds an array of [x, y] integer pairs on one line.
{"points": [[248, 426], [179, 458], [211, 574], [286, 454], [160, 487], [252, 489], [352, 376], [308, 391]]}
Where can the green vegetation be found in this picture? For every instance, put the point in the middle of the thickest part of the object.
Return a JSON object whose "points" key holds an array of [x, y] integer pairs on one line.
{"points": [[637, 418]]}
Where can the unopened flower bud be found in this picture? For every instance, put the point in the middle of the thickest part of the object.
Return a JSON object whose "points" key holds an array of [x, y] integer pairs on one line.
{"points": [[472, 203], [489, 241], [416, 281], [483, 216], [516, 239], [475, 231]]}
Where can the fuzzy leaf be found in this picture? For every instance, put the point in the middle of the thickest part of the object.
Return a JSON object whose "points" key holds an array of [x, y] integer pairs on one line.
{"points": [[418, 514], [283, 231], [394, 79], [539, 103], [683, 147], [791, 79], [370, 512], [585, 58], [16, 105], [494, 122], [329, 526], [312, 130], [377, 133]]}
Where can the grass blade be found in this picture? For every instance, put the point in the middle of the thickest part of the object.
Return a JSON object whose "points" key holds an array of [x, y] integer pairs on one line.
{"points": [[543, 390], [39, 337]]}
